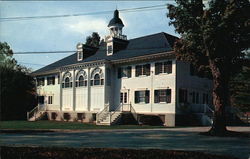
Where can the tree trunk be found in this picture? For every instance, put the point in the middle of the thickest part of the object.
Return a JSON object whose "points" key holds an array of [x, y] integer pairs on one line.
{"points": [[220, 96]]}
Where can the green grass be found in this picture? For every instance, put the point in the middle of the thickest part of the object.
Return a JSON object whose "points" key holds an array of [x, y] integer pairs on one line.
{"points": [[18, 125]]}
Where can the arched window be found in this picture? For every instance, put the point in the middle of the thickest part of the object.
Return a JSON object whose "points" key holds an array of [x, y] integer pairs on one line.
{"points": [[97, 77], [67, 80], [67, 83], [81, 79]]}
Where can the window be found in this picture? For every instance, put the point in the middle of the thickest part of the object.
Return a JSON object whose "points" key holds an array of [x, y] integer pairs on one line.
{"points": [[51, 80], [163, 96], [193, 97], [197, 98], [58, 79], [163, 67], [67, 83], [97, 77], [182, 95], [123, 97], [80, 55], [40, 82], [124, 72], [142, 96], [110, 49], [205, 98], [40, 99], [142, 70], [81, 82], [50, 99]]}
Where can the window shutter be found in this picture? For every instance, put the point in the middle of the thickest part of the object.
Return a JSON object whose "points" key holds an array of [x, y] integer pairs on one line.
{"points": [[168, 95], [137, 71], [62, 85], [129, 71], [156, 96], [147, 96], [168, 67], [102, 81], [76, 84], [85, 83], [157, 70], [136, 96], [70, 84], [119, 72], [146, 69]]}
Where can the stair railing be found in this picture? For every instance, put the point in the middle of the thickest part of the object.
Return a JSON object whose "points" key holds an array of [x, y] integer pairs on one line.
{"points": [[133, 112], [33, 112], [117, 109], [103, 113]]}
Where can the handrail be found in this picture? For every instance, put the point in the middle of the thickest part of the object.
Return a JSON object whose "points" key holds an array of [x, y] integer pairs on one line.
{"points": [[102, 113], [116, 110], [132, 110], [32, 112]]}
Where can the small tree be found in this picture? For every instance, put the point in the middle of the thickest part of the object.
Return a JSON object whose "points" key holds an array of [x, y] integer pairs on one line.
{"points": [[93, 40], [213, 38], [17, 93]]}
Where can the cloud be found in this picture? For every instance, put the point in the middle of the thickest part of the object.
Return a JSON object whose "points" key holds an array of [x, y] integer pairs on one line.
{"points": [[87, 24]]}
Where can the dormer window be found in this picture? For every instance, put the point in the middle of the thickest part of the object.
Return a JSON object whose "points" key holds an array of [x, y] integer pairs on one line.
{"points": [[79, 55], [79, 48], [110, 50]]}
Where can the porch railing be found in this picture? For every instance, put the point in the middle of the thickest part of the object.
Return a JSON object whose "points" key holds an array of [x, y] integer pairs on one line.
{"points": [[34, 111], [103, 114], [133, 112]]}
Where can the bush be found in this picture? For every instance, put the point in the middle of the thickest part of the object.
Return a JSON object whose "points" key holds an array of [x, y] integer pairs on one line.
{"points": [[150, 120], [80, 116], [66, 116], [53, 115]]}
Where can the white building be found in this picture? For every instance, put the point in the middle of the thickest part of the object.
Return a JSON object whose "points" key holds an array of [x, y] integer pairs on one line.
{"points": [[136, 77]]}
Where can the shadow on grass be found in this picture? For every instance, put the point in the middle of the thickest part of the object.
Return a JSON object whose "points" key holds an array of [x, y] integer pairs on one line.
{"points": [[228, 134], [101, 153]]}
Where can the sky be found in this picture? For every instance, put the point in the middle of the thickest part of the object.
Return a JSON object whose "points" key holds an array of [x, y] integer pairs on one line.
{"points": [[62, 34]]}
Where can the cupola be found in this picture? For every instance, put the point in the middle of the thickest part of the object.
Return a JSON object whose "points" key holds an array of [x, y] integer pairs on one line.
{"points": [[115, 40]]}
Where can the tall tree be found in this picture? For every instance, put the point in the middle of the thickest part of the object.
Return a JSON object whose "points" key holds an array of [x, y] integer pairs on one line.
{"points": [[93, 40], [214, 39], [17, 93]]}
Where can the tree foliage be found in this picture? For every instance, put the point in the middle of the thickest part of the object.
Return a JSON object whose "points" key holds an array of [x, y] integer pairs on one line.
{"points": [[93, 40], [214, 38], [17, 91], [240, 90]]}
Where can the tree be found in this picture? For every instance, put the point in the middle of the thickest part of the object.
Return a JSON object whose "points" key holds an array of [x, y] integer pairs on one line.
{"points": [[17, 93], [213, 38], [93, 40], [240, 90]]}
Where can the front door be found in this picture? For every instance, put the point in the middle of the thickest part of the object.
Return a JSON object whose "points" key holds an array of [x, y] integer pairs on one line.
{"points": [[124, 100]]}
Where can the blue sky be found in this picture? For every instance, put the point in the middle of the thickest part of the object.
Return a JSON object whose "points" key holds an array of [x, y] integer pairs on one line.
{"points": [[58, 34]]}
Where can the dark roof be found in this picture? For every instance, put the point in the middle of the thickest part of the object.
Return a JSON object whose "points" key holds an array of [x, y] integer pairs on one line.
{"points": [[115, 19], [147, 45]]}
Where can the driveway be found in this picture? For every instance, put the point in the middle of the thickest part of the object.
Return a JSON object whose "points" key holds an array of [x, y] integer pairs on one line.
{"points": [[169, 138]]}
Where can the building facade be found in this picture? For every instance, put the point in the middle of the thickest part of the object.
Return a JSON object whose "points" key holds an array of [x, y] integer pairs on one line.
{"points": [[139, 76]]}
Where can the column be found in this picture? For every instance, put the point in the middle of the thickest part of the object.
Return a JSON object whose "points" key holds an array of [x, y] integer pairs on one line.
{"points": [[89, 89], [74, 90]]}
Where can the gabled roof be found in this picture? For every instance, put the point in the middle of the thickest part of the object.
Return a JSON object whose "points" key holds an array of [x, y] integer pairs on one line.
{"points": [[146, 45]]}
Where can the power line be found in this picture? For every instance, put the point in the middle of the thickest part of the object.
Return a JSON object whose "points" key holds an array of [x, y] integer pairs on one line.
{"points": [[63, 52], [146, 8], [44, 52], [31, 63]]}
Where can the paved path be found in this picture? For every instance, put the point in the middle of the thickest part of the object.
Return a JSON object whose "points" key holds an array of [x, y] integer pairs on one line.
{"points": [[169, 138]]}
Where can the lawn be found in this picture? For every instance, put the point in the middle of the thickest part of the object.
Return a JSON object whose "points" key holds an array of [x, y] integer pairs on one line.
{"points": [[65, 125]]}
